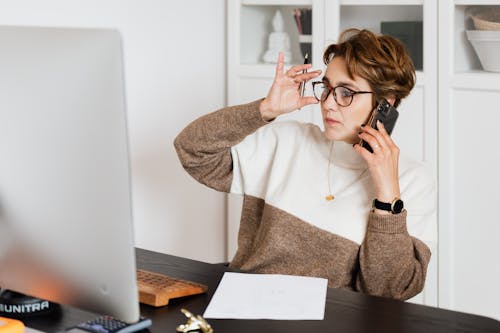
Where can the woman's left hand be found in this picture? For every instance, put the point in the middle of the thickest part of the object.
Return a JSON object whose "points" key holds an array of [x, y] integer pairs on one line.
{"points": [[383, 162]]}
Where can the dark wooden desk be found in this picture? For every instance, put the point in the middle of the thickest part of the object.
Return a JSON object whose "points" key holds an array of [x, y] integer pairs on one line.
{"points": [[345, 311]]}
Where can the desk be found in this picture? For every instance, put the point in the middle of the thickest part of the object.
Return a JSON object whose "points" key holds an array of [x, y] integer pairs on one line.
{"points": [[345, 311]]}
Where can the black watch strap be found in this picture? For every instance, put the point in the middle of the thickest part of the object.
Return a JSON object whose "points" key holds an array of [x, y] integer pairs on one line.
{"points": [[395, 207]]}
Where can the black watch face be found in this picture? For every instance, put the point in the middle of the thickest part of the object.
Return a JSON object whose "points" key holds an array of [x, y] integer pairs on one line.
{"points": [[398, 206]]}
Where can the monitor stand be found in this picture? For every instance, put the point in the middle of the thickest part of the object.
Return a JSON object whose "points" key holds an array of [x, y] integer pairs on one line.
{"points": [[17, 305]]}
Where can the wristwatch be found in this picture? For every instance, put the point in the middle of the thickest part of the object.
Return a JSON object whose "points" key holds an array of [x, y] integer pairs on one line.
{"points": [[395, 207]]}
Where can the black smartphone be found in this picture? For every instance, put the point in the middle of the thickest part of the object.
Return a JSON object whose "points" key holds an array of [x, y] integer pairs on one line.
{"points": [[387, 114]]}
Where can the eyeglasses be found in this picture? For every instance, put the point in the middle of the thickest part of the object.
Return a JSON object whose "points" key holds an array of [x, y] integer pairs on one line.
{"points": [[343, 96]]}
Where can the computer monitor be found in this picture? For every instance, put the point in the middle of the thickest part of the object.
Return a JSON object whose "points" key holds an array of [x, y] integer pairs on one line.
{"points": [[65, 197]]}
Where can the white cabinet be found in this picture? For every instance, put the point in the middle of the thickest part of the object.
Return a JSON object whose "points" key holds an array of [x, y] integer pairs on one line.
{"points": [[469, 224], [248, 78]]}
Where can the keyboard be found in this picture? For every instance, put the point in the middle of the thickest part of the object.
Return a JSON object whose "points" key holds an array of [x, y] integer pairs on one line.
{"points": [[157, 289]]}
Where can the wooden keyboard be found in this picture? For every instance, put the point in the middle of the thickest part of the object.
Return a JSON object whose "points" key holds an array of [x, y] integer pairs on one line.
{"points": [[157, 289]]}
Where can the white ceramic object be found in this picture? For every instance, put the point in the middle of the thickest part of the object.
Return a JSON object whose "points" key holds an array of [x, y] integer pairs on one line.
{"points": [[487, 47], [278, 41]]}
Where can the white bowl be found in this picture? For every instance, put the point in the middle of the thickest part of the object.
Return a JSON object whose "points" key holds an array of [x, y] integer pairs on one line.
{"points": [[487, 47]]}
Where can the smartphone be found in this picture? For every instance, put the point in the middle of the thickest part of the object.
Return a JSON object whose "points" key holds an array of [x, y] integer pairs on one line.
{"points": [[387, 114]]}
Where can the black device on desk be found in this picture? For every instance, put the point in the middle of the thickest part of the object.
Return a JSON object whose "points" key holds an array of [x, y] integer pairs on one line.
{"points": [[107, 324]]}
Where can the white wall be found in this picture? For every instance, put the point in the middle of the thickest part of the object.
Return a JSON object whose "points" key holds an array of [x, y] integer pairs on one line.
{"points": [[175, 72]]}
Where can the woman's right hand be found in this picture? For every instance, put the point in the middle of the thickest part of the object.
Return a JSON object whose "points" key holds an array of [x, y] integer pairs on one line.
{"points": [[284, 95]]}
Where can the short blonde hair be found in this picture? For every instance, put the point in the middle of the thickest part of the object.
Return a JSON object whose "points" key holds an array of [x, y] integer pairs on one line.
{"points": [[381, 60]]}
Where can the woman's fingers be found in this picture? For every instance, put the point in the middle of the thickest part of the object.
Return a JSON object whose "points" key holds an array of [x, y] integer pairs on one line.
{"points": [[383, 162], [297, 69], [372, 141], [307, 76], [373, 137], [280, 65], [283, 95], [307, 100], [385, 135], [367, 156]]}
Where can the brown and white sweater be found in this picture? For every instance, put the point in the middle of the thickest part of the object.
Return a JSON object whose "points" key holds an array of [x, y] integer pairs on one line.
{"points": [[288, 227]]}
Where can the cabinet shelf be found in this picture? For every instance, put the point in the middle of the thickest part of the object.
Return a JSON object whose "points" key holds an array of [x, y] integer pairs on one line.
{"points": [[475, 2], [476, 80], [380, 3], [276, 2], [370, 15], [256, 26], [465, 57], [262, 71]]}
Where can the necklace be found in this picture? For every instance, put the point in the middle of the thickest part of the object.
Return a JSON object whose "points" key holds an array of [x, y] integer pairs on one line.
{"points": [[330, 196]]}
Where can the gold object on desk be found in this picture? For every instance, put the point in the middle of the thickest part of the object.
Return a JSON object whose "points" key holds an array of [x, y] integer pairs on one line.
{"points": [[193, 323]]}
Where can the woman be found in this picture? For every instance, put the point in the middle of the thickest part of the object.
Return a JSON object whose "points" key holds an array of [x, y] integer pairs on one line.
{"points": [[309, 194]]}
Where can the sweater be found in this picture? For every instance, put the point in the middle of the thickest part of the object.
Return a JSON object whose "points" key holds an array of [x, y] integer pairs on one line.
{"points": [[287, 226]]}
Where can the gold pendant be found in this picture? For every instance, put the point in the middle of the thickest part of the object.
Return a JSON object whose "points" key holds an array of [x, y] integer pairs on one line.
{"points": [[329, 197]]}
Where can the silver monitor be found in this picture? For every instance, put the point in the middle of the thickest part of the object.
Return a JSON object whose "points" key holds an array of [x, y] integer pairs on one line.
{"points": [[65, 198]]}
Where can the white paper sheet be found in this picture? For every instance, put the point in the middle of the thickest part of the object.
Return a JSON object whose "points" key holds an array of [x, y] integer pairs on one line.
{"points": [[268, 296]]}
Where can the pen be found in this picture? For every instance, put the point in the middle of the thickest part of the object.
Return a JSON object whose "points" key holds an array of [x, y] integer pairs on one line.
{"points": [[303, 84]]}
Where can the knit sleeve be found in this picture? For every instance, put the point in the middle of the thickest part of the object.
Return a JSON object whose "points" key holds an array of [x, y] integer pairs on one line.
{"points": [[391, 262], [396, 251], [204, 146]]}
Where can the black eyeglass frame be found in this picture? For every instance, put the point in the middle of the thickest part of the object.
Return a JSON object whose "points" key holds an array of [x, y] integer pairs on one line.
{"points": [[353, 92]]}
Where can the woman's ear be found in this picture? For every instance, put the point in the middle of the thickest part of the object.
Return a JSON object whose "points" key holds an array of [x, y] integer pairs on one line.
{"points": [[391, 100]]}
